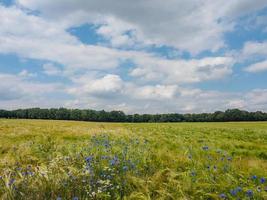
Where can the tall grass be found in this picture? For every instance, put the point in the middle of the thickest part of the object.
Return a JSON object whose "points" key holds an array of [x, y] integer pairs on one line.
{"points": [[75, 160]]}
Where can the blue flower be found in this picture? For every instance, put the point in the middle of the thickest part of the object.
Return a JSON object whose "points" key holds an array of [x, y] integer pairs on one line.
{"points": [[114, 161], [254, 177], [249, 193], [262, 180], [89, 159], [59, 198], [205, 148], [233, 192], [239, 189], [223, 196], [75, 198], [125, 168], [11, 181]]}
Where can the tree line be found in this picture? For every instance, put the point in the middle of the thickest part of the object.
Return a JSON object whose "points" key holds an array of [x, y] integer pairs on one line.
{"points": [[119, 116]]}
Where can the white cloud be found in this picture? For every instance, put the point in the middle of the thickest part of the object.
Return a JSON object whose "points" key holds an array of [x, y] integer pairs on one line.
{"points": [[181, 71], [257, 67], [254, 48], [56, 45], [48, 40], [51, 69], [169, 99], [103, 87], [25, 74], [155, 85], [157, 92], [15, 87], [193, 25]]}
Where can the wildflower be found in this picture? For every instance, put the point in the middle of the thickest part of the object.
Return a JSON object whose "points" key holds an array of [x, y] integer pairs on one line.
{"points": [[229, 158], [11, 181], [205, 148], [233, 192], [254, 177], [249, 193], [239, 189], [75, 198], [89, 159], [59, 198], [262, 180], [114, 161], [125, 168], [222, 196]]}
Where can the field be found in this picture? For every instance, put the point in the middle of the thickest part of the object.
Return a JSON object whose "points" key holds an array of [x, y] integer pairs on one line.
{"points": [[81, 160]]}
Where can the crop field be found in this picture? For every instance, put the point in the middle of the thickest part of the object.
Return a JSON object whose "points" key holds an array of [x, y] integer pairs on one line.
{"points": [[57, 160]]}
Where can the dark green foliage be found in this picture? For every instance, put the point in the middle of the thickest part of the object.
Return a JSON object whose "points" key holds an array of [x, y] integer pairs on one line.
{"points": [[119, 116]]}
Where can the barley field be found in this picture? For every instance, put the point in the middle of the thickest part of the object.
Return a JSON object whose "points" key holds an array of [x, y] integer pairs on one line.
{"points": [[42, 159]]}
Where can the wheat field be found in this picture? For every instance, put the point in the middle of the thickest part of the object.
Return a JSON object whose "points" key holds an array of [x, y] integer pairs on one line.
{"points": [[42, 159]]}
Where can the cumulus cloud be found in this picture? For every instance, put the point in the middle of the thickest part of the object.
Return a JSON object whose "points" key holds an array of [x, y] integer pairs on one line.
{"points": [[182, 71], [58, 46], [107, 86], [257, 67], [96, 74], [189, 25], [14, 87]]}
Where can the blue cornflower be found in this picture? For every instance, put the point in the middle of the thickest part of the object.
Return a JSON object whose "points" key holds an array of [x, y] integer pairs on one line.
{"points": [[114, 161], [223, 196], [75, 198], [125, 168], [205, 148], [238, 189], [233, 192], [249, 193], [89, 159], [11, 181], [262, 180], [254, 177]]}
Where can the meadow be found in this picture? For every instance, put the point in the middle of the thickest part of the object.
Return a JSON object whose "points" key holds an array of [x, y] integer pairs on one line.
{"points": [[42, 159]]}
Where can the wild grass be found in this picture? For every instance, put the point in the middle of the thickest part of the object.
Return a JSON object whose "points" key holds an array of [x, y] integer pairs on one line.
{"points": [[79, 160]]}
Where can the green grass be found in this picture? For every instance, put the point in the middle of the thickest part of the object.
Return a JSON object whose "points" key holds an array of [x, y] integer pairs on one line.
{"points": [[50, 159]]}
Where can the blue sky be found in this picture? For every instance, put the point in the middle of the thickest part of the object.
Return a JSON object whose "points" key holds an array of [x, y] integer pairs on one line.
{"points": [[136, 56]]}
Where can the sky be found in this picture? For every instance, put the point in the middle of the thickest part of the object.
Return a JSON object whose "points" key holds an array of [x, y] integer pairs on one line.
{"points": [[142, 56]]}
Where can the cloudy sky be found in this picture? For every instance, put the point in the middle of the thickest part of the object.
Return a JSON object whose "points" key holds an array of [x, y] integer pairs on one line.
{"points": [[144, 56]]}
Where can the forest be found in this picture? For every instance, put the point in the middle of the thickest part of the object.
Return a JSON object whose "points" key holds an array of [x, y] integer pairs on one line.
{"points": [[119, 116]]}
